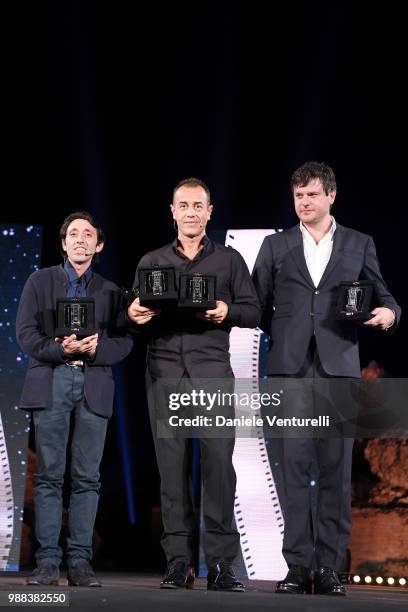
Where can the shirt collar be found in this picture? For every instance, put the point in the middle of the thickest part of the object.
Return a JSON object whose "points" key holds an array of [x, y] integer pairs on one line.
{"points": [[72, 275], [306, 234], [204, 241]]}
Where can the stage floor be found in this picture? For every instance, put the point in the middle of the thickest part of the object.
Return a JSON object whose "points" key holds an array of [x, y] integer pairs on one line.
{"points": [[121, 592]]}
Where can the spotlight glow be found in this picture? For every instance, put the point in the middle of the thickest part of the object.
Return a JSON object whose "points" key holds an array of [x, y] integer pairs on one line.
{"points": [[402, 582], [356, 579], [390, 580], [368, 579], [379, 580]]}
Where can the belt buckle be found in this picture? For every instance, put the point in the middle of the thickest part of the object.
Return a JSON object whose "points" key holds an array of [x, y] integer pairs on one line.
{"points": [[77, 363]]}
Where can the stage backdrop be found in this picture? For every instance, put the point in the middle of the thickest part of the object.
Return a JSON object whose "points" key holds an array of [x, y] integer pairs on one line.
{"points": [[258, 513], [19, 256]]}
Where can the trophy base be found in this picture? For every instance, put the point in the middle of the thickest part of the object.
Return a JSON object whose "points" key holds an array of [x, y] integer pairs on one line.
{"points": [[81, 333], [165, 301], [359, 317], [199, 307]]}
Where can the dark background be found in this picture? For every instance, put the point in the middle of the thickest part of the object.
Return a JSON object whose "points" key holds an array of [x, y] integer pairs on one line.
{"points": [[116, 102]]}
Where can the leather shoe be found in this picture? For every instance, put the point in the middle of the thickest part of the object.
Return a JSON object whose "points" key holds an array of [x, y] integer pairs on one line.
{"points": [[44, 573], [326, 582], [221, 577], [297, 581], [80, 573], [178, 575]]}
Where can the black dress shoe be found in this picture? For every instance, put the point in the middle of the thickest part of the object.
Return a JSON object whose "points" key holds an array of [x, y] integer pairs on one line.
{"points": [[44, 573], [80, 573], [297, 581], [326, 582], [221, 577], [178, 575]]}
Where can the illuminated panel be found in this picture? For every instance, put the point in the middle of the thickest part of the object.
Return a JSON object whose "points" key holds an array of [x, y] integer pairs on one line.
{"points": [[19, 255], [258, 513], [6, 502]]}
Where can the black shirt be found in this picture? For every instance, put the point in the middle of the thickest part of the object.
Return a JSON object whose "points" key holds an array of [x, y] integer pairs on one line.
{"points": [[180, 342]]}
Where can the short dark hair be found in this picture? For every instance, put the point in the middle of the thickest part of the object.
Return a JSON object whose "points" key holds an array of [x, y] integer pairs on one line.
{"points": [[193, 182], [81, 214], [314, 170]]}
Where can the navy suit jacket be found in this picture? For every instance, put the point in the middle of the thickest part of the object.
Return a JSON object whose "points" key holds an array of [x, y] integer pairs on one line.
{"points": [[294, 309], [35, 327]]}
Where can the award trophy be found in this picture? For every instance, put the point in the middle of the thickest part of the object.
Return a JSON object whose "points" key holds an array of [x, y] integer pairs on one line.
{"points": [[197, 291], [75, 316], [354, 301], [157, 286]]}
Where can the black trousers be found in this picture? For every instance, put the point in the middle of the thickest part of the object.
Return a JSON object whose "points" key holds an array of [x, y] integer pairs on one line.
{"points": [[317, 498], [221, 539]]}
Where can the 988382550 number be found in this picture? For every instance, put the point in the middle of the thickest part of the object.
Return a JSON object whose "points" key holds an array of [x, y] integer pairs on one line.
{"points": [[34, 598]]}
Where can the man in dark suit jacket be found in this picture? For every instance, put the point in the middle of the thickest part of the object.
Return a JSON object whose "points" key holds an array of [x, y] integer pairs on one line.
{"points": [[297, 275], [69, 377], [184, 346]]}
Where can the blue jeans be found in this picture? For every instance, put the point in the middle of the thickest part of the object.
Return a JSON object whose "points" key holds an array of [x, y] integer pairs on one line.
{"points": [[52, 427]]}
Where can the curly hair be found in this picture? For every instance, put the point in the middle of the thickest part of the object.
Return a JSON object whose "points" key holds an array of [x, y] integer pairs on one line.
{"points": [[314, 170]]}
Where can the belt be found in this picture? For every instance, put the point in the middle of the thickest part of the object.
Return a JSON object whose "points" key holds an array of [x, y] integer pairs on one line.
{"points": [[78, 363]]}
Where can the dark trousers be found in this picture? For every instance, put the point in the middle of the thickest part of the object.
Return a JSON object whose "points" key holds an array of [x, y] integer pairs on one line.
{"points": [[316, 471], [221, 539], [52, 428]]}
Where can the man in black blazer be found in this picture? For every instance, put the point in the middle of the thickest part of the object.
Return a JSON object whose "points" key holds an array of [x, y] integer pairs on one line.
{"points": [[69, 377], [185, 346], [297, 275]]}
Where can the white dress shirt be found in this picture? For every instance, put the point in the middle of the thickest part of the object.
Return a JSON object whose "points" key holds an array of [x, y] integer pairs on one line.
{"points": [[317, 255]]}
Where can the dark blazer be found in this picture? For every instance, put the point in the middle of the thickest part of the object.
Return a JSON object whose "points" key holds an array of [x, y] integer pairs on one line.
{"points": [[35, 327], [294, 309]]}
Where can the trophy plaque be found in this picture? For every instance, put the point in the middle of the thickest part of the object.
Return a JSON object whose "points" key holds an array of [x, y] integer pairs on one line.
{"points": [[157, 286], [75, 316], [354, 301], [197, 291]]}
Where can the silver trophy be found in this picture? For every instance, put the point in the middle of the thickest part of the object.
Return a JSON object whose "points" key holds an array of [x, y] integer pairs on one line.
{"points": [[354, 301], [197, 291], [157, 286], [75, 316], [355, 297]]}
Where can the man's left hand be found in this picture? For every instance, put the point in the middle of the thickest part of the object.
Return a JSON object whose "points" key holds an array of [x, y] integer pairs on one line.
{"points": [[89, 345], [217, 315], [383, 318]]}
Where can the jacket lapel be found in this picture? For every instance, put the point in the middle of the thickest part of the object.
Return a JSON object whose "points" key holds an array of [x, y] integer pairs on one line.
{"points": [[95, 285], [294, 241], [60, 282], [335, 257]]}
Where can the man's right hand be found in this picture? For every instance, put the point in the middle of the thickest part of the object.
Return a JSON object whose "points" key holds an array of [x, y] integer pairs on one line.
{"points": [[140, 314]]}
